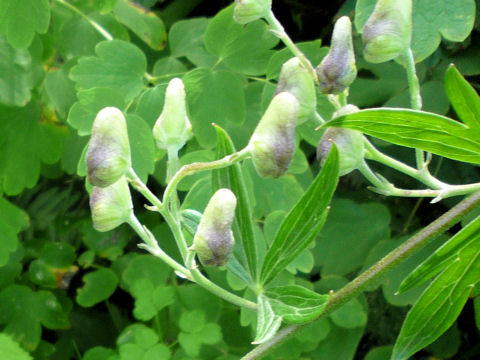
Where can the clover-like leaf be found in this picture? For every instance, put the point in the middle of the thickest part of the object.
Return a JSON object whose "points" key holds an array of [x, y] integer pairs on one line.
{"points": [[99, 285], [12, 221], [11, 350]]}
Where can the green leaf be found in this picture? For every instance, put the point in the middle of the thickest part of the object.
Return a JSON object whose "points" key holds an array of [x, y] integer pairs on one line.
{"points": [[350, 316], [89, 103], [443, 256], [417, 129], [15, 75], [60, 90], [246, 49], [142, 146], [267, 321], [147, 267], [10, 350], [440, 304], [144, 23], [149, 300], [150, 104], [49, 311], [12, 221], [296, 304], [432, 19], [463, 97], [167, 68], [25, 144], [99, 285], [118, 65], [98, 353], [192, 321], [213, 96], [20, 20], [232, 178], [304, 221]]}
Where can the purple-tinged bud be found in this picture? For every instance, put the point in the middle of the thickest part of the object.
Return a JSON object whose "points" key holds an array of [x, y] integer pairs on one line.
{"points": [[213, 240], [108, 154], [388, 31], [246, 11], [337, 70], [111, 206], [273, 141], [295, 79], [173, 129], [350, 144]]}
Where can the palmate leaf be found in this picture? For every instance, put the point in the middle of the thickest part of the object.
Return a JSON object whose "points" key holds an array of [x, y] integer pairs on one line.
{"points": [[232, 178], [463, 97], [441, 303], [10, 350], [417, 129], [303, 223], [296, 304]]}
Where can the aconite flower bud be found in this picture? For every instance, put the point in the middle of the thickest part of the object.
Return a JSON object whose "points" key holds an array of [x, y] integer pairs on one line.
{"points": [[213, 240], [388, 31], [108, 155], [295, 79], [350, 144], [111, 205], [337, 70], [173, 129], [273, 141], [246, 11]]}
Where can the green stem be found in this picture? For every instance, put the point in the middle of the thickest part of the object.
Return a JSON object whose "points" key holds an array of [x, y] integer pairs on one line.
{"points": [[173, 163], [278, 30], [96, 25], [140, 186], [193, 168], [371, 275], [370, 175]]}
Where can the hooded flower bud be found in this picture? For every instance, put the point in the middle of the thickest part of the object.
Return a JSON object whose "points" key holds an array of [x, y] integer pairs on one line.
{"points": [[349, 143], [173, 129], [110, 206], [295, 79], [337, 70], [250, 10], [273, 141], [108, 154], [388, 31], [213, 240]]}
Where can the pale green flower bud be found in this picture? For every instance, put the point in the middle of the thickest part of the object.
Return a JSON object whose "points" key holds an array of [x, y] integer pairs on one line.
{"points": [[108, 155], [173, 129], [111, 205], [246, 11], [337, 70], [213, 240], [273, 141], [388, 31], [295, 79], [350, 144]]}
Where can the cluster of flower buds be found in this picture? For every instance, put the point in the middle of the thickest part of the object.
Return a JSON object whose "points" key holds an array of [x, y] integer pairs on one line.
{"points": [[295, 79], [108, 159], [246, 11], [337, 70], [350, 144], [213, 241], [388, 31], [273, 141], [173, 129]]}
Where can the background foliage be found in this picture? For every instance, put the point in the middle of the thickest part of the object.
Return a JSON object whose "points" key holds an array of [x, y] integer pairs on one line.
{"points": [[69, 292]]}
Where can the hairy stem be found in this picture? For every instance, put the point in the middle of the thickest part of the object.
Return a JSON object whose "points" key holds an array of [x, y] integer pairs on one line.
{"points": [[371, 275]]}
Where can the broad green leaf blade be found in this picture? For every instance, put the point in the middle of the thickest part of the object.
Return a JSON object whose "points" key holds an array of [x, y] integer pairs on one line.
{"points": [[443, 257], [99, 285], [118, 65], [26, 142], [463, 97], [15, 75], [417, 129], [20, 20], [243, 48], [12, 221], [304, 221], [296, 304], [440, 304], [432, 20], [144, 23], [232, 177], [267, 322], [10, 350], [142, 144], [213, 96]]}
